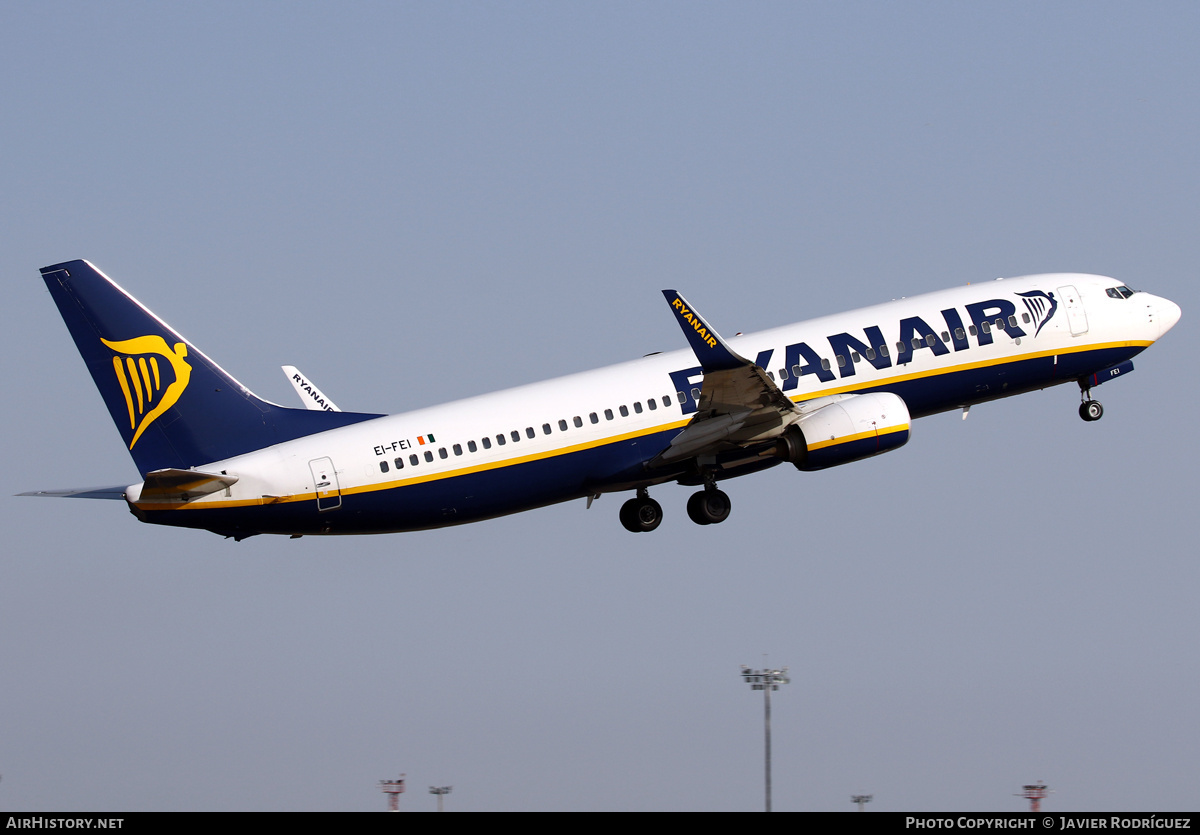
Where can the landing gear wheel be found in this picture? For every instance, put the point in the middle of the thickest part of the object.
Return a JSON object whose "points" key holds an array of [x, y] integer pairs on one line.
{"points": [[641, 515], [1091, 410], [708, 507]]}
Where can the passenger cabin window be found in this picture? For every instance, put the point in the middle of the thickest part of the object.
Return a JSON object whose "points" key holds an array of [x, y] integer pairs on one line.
{"points": [[442, 452], [457, 449], [399, 462], [841, 361], [487, 443], [680, 396], [472, 447], [973, 331], [883, 352], [545, 429], [1025, 318], [796, 370], [855, 357], [958, 332], [825, 364], [666, 400], [985, 327], [562, 426], [870, 353], [608, 415], [383, 467], [594, 418], [428, 456], [413, 459], [782, 375], [637, 406], [578, 421], [1012, 321], [529, 433], [945, 336], [500, 440], [652, 404], [624, 411]]}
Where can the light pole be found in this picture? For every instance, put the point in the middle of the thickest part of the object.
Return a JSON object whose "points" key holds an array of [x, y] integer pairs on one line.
{"points": [[861, 799], [766, 681], [440, 791]]}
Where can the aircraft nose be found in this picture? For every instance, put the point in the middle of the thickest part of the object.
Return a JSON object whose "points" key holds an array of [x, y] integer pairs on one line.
{"points": [[1167, 313]]}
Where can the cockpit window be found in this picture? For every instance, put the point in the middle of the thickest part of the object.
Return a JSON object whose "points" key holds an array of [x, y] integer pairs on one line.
{"points": [[1121, 292]]}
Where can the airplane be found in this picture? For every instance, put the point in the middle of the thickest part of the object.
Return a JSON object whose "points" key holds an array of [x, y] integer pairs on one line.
{"points": [[817, 394]]}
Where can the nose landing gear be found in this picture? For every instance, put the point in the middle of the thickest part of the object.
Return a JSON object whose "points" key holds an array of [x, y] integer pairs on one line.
{"points": [[1089, 409]]}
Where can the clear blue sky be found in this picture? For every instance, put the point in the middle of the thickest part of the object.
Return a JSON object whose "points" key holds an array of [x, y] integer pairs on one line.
{"points": [[414, 202]]}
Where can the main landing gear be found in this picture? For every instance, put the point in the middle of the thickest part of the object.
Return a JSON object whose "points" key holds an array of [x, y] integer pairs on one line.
{"points": [[641, 514], [707, 507], [1089, 409]]}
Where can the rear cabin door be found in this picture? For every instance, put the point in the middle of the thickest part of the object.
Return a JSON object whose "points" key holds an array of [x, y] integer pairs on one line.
{"points": [[329, 493]]}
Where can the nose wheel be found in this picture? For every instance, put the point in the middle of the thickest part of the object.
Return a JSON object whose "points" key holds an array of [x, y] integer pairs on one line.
{"points": [[1089, 409]]}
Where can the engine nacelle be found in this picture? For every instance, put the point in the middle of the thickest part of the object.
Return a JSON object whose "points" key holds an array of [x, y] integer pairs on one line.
{"points": [[847, 429]]}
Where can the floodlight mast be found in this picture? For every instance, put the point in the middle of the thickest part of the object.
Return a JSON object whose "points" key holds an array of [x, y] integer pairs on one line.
{"points": [[440, 791], [766, 681]]}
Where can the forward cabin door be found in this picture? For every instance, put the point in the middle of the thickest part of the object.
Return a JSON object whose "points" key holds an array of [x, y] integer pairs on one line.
{"points": [[329, 493], [1076, 317]]}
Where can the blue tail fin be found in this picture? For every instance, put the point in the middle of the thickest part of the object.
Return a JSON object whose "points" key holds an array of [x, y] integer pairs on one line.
{"points": [[174, 407]]}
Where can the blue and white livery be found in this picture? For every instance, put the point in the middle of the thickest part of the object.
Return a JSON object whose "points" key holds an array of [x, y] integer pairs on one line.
{"points": [[816, 394]]}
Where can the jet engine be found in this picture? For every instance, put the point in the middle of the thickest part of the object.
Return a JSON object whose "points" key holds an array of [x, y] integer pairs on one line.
{"points": [[848, 428]]}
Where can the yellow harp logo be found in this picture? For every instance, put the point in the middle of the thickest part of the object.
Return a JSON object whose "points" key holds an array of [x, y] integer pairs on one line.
{"points": [[148, 392]]}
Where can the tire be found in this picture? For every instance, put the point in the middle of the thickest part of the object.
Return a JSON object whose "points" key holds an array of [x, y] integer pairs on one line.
{"points": [[641, 515], [1091, 410], [708, 507]]}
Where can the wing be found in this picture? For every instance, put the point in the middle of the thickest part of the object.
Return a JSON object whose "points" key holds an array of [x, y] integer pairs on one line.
{"points": [[739, 404]]}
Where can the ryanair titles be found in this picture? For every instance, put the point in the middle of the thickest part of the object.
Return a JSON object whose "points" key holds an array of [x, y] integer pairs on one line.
{"points": [[847, 350], [695, 321]]}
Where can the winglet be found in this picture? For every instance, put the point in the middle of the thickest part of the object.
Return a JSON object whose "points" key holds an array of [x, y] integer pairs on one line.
{"points": [[310, 395], [709, 348]]}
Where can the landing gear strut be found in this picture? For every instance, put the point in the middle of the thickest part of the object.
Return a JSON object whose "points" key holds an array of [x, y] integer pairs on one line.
{"points": [[641, 514], [1089, 409]]}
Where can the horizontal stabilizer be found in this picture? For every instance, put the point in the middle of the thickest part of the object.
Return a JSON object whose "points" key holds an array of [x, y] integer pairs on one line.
{"points": [[117, 492], [182, 485]]}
